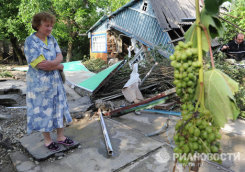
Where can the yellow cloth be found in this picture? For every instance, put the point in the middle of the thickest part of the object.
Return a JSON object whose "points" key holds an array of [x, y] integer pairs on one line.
{"points": [[46, 41], [40, 58], [37, 60]]}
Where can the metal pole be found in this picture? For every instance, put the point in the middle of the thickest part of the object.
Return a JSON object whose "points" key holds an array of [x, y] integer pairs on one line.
{"points": [[105, 133], [148, 73]]}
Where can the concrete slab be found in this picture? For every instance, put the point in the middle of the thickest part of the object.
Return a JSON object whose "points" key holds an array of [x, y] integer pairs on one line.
{"points": [[159, 161], [76, 77], [12, 86], [76, 102], [148, 123], [128, 146], [9, 99], [34, 145], [22, 163], [234, 145], [235, 127]]}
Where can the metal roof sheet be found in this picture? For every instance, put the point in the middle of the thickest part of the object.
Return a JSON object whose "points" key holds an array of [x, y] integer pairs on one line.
{"points": [[170, 12]]}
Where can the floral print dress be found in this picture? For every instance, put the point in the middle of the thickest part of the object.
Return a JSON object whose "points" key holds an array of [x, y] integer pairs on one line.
{"points": [[45, 96]]}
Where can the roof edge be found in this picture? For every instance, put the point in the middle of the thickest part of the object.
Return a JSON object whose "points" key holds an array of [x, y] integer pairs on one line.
{"points": [[101, 20]]}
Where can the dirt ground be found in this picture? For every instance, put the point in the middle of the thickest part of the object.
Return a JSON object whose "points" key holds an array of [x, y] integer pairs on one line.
{"points": [[13, 128]]}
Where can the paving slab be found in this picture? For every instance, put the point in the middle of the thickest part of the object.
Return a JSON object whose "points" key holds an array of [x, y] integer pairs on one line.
{"points": [[231, 143], [234, 145], [235, 127], [159, 161], [128, 145], [34, 144], [22, 163], [133, 151], [148, 123]]}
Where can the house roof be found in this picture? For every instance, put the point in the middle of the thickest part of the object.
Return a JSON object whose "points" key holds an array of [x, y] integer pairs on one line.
{"points": [[101, 20], [170, 12]]}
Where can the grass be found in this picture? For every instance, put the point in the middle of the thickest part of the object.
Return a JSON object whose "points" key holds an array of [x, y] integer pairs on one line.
{"points": [[4, 73]]}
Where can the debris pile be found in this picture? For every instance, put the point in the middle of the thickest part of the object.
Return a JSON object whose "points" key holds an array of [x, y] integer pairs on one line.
{"points": [[159, 80]]}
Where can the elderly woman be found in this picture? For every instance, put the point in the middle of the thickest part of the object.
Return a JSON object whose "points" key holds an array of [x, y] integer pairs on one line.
{"points": [[45, 98]]}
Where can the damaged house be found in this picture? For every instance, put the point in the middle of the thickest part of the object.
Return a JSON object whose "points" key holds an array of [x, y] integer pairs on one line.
{"points": [[146, 24]]}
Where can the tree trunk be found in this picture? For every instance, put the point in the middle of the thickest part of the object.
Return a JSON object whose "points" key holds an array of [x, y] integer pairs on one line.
{"points": [[17, 50], [5, 49], [69, 51]]}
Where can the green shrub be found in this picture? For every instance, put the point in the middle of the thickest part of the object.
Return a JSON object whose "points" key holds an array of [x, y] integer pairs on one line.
{"points": [[95, 64]]}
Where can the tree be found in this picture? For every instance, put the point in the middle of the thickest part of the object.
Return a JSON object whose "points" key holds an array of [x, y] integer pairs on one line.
{"points": [[73, 17], [235, 16], [11, 26]]}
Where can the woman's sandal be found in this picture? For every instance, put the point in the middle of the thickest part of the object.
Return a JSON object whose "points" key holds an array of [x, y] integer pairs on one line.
{"points": [[67, 142], [53, 146]]}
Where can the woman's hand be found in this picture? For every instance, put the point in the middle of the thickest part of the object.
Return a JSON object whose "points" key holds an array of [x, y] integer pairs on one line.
{"points": [[60, 66], [45, 65], [49, 65]]}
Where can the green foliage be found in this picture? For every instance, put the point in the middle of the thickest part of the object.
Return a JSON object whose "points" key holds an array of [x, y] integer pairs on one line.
{"points": [[237, 73], [5, 73], [74, 17], [219, 96], [240, 98], [95, 64], [10, 23], [236, 16], [207, 110], [210, 22], [157, 57], [212, 6]]}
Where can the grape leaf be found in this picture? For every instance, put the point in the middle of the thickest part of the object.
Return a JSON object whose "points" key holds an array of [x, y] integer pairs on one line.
{"points": [[234, 86], [191, 35], [212, 23], [219, 99], [213, 26]]}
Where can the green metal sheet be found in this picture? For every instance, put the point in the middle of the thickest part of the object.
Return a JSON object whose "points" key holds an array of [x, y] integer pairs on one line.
{"points": [[23, 69], [69, 66], [93, 82], [74, 66]]}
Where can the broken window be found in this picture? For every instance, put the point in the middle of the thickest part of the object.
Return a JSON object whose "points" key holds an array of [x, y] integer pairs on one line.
{"points": [[144, 6], [99, 43]]}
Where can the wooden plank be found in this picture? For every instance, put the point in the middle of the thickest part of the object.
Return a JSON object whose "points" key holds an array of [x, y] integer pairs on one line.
{"points": [[161, 95]]}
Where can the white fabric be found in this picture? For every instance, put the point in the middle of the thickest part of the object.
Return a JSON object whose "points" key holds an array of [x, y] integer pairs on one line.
{"points": [[134, 76]]}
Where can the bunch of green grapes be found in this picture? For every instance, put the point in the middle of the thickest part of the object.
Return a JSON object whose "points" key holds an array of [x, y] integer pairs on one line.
{"points": [[186, 67], [196, 132], [197, 135]]}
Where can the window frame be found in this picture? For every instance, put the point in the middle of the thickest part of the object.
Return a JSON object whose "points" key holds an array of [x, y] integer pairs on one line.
{"points": [[99, 46], [144, 6]]}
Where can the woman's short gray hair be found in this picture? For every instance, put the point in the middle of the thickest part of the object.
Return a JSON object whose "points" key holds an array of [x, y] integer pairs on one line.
{"points": [[42, 16]]}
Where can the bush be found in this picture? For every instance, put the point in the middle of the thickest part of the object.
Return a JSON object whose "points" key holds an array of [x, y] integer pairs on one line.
{"points": [[95, 64]]}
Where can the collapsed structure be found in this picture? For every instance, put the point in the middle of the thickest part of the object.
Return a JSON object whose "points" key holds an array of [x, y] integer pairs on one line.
{"points": [[145, 24]]}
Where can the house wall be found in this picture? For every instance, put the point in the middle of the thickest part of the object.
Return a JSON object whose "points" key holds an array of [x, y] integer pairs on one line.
{"points": [[134, 22], [101, 29], [143, 25]]}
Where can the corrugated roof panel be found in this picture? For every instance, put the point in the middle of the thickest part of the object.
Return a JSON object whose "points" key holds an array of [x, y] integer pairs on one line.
{"points": [[170, 12]]}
